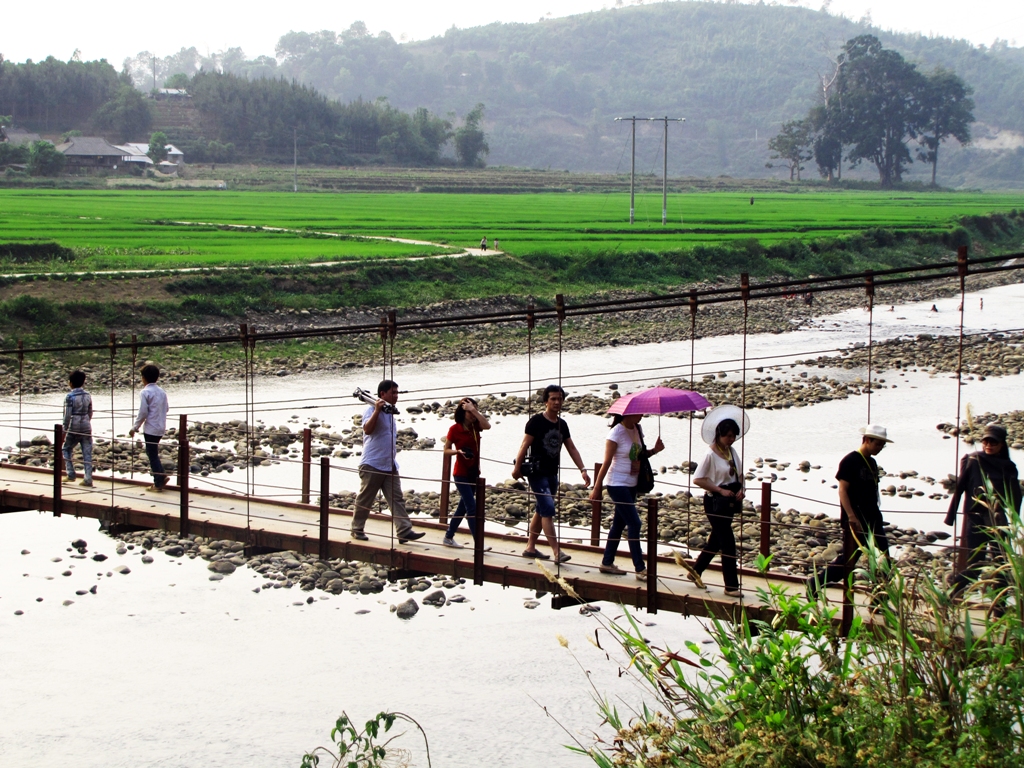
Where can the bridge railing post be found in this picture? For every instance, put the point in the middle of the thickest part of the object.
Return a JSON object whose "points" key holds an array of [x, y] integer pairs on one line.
{"points": [[184, 467], [307, 461], [652, 555], [446, 488], [848, 553], [766, 518], [595, 514], [478, 534], [325, 497], [58, 467]]}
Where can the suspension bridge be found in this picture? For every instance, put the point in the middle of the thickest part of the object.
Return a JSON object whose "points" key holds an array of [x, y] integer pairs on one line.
{"points": [[265, 521]]}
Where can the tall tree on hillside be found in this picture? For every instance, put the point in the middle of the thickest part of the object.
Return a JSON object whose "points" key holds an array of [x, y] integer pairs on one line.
{"points": [[826, 129], [792, 144], [948, 111], [882, 106], [127, 114], [470, 140]]}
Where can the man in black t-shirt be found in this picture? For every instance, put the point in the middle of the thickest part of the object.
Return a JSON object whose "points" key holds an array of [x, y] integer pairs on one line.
{"points": [[546, 433], [860, 501]]}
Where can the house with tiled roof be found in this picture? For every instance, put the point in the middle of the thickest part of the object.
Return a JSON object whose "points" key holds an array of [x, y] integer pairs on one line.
{"points": [[91, 153]]}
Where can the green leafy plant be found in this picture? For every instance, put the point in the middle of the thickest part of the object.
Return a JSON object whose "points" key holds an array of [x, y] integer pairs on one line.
{"points": [[363, 748], [930, 679]]}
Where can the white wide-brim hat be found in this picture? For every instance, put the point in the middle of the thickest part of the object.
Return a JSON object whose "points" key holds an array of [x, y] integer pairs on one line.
{"points": [[719, 414], [875, 430]]}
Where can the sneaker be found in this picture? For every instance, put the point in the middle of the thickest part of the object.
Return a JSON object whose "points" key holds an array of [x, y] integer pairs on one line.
{"points": [[536, 554], [450, 542], [563, 558], [155, 488], [612, 569], [733, 592], [360, 536], [405, 538], [641, 575], [86, 483]]}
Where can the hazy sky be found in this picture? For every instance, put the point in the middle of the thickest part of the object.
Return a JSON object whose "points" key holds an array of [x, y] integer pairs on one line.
{"points": [[115, 30]]}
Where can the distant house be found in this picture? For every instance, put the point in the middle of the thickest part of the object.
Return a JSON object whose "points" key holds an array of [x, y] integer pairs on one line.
{"points": [[91, 153], [18, 136], [139, 154], [172, 94]]}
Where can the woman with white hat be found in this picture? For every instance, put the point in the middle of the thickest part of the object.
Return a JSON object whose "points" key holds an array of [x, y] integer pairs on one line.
{"points": [[720, 474]]}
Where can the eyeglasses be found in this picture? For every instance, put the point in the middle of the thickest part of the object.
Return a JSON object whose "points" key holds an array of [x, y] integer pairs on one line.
{"points": [[990, 441]]}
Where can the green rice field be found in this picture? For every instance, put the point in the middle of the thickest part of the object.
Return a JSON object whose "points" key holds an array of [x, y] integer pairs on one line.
{"points": [[131, 229]]}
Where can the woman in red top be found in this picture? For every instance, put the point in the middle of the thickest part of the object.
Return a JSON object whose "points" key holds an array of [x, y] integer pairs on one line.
{"points": [[464, 444]]}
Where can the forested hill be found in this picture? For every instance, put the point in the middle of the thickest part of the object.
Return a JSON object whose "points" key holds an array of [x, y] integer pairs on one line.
{"points": [[735, 72]]}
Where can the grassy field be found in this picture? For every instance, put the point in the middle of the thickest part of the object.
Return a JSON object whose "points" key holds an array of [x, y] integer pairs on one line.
{"points": [[133, 229]]}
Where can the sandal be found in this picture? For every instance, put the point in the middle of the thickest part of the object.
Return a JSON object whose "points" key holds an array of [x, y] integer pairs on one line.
{"points": [[538, 555]]}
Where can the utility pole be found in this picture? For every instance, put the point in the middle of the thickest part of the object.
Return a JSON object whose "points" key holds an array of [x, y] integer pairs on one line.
{"points": [[632, 165], [295, 159]]}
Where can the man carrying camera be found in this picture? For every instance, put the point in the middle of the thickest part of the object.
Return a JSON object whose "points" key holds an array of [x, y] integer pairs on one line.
{"points": [[546, 433], [378, 470]]}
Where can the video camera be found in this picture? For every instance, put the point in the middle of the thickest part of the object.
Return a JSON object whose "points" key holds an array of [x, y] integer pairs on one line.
{"points": [[366, 397]]}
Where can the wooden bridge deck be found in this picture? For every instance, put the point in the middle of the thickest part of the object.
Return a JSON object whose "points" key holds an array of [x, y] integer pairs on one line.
{"points": [[277, 525]]}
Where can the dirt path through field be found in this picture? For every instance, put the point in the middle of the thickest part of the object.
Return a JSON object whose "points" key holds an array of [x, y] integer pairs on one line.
{"points": [[186, 270]]}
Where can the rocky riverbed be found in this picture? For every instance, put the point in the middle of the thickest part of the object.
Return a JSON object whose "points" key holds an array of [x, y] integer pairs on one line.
{"points": [[219, 447], [41, 374], [971, 429]]}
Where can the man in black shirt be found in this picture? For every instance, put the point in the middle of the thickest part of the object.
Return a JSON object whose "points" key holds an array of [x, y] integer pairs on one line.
{"points": [[546, 433], [860, 501]]}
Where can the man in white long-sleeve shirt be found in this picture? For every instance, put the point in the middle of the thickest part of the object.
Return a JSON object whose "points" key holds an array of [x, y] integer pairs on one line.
{"points": [[152, 418]]}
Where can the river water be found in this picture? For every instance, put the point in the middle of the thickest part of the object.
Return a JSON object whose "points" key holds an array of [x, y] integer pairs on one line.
{"points": [[163, 667]]}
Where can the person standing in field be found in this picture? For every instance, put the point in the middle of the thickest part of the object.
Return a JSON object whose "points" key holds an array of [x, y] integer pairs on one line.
{"points": [[152, 420], [495, 243], [483, 243], [378, 470], [861, 504], [78, 427], [546, 433], [463, 442]]}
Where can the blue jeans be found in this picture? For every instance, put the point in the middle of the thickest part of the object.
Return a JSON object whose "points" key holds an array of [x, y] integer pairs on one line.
{"points": [[153, 452], [544, 489], [70, 441], [466, 487], [626, 517]]}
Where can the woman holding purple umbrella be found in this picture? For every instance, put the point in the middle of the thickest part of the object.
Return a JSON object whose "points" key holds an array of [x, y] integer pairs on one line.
{"points": [[622, 452]]}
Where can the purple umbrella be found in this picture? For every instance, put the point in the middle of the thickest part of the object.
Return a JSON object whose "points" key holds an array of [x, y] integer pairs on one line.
{"points": [[659, 400]]}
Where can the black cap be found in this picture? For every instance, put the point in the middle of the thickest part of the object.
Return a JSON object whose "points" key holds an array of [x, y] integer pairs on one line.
{"points": [[995, 432]]}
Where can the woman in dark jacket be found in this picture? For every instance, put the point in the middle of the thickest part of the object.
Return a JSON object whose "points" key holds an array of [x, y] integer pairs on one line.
{"points": [[991, 465]]}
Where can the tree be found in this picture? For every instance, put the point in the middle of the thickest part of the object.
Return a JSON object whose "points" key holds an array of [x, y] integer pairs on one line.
{"points": [[882, 106], [179, 80], [127, 114], [948, 111], [157, 147], [470, 140], [45, 160], [792, 144], [826, 140]]}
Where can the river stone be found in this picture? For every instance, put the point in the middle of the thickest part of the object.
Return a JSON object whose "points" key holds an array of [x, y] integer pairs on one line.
{"points": [[175, 550], [408, 609], [99, 557], [435, 598], [222, 566], [68, 602], [531, 604], [19, 613], [123, 569], [147, 559], [216, 576], [79, 544]]}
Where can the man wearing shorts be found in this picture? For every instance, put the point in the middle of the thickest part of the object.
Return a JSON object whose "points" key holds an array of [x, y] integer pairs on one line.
{"points": [[546, 433]]}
